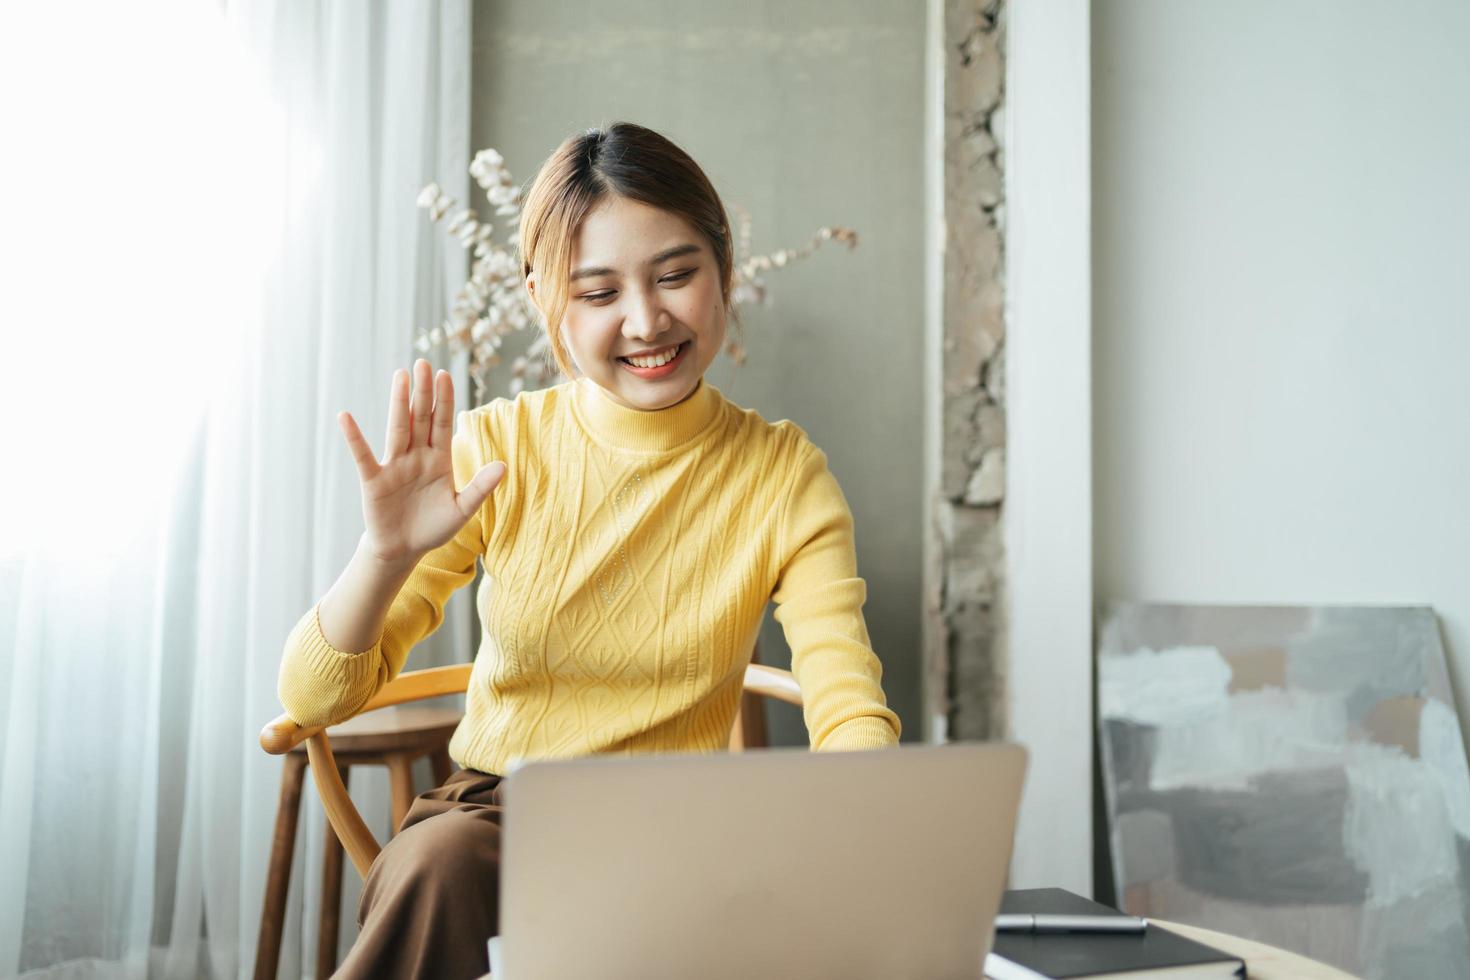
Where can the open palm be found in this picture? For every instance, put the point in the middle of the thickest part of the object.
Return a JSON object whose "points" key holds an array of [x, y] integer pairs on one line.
{"points": [[409, 503]]}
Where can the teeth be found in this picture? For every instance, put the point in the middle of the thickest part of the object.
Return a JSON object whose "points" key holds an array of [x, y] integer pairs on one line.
{"points": [[652, 362]]}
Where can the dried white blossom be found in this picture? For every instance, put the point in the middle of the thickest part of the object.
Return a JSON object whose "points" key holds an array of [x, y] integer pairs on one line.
{"points": [[457, 223]]}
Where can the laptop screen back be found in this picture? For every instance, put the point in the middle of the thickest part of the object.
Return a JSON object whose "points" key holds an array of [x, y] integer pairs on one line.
{"points": [[780, 862]]}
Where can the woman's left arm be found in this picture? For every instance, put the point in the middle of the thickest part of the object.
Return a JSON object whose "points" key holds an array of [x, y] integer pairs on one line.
{"points": [[819, 603]]}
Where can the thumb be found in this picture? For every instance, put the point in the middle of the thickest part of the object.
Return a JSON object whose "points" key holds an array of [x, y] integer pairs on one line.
{"points": [[480, 487]]}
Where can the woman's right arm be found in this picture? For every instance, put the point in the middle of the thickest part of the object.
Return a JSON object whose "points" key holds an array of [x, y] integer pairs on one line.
{"points": [[419, 528], [353, 610]]}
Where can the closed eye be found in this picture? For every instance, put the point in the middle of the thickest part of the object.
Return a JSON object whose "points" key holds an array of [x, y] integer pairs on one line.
{"points": [[607, 294]]}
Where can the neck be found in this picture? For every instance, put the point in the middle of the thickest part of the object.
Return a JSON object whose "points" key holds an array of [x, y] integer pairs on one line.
{"points": [[644, 430]]}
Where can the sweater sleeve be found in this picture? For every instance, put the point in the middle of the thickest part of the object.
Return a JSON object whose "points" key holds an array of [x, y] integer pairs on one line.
{"points": [[321, 685], [819, 603]]}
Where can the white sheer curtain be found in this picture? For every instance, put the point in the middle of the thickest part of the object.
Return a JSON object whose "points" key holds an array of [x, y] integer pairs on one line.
{"points": [[221, 251]]}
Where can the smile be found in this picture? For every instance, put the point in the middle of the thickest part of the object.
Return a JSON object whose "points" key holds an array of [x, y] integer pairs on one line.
{"points": [[657, 365]]}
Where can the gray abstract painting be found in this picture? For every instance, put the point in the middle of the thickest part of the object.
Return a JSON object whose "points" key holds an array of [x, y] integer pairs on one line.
{"points": [[1295, 775]]}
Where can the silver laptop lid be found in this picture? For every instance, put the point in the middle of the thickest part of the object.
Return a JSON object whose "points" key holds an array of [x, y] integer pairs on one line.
{"points": [[772, 863]]}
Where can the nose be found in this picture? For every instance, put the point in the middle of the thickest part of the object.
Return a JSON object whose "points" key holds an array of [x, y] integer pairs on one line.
{"points": [[646, 319]]}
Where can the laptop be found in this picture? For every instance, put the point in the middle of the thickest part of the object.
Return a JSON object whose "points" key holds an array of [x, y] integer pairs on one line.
{"points": [[774, 863]]}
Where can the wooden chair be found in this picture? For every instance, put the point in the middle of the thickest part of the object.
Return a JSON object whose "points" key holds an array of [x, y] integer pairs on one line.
{"points": [[283, 735], [395, 738]]}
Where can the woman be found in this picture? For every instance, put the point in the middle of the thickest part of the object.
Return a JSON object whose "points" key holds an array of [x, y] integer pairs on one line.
{"points": [[633, 525]]}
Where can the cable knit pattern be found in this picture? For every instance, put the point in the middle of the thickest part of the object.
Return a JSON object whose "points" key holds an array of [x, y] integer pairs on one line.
{"points": [[629, 557]]}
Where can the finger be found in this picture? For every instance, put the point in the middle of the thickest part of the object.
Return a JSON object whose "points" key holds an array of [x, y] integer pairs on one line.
{"points": [[423, 401], [398, 424], [479, 488], [443, 428], [362, 453]]}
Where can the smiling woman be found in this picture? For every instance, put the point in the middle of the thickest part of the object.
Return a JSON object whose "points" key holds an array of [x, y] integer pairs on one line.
{"points": [[629, 259], [644, 322], [633, 523]]}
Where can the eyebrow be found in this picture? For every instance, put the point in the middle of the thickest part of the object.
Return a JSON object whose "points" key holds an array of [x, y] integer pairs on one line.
{"points": [[663, 256]]}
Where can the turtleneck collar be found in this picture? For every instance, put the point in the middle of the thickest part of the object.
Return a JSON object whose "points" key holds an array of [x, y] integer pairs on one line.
{"points": [[644, 431]]}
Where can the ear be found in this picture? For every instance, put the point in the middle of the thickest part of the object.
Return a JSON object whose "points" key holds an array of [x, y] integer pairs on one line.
{"points": [[531, 289]]}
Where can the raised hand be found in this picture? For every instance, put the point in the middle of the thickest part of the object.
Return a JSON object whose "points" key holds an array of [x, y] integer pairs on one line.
{"points": [[409, 503]]}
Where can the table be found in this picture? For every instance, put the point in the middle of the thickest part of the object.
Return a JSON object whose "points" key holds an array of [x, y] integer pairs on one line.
{"points": [[1262, 962]]}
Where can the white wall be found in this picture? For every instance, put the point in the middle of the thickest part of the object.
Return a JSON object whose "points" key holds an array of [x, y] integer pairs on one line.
{"points": [[1048, 404], [1282, 321]]}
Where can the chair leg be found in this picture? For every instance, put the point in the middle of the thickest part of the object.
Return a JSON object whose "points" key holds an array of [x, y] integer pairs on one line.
{"points": [[443, 766], [752, 722], [749, 731], [737, 731], [326, 947], [278, 879], [400, 783]]}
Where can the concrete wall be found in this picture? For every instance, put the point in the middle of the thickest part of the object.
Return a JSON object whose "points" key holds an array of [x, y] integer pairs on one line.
{"points": [[1281, 327], [806, 113], [965, 582]]}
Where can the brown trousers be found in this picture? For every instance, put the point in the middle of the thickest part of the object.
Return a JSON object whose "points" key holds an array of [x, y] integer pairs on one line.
{"points": [[432, 897]]}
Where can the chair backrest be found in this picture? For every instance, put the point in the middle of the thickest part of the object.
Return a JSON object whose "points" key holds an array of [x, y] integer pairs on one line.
{"points": [[283, 734]]}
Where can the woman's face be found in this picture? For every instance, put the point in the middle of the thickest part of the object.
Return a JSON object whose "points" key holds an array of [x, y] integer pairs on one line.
{"points": [[643, 284]]}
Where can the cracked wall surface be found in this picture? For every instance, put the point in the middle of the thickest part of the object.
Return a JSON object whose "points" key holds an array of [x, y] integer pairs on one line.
{"points": [[966, 665]]}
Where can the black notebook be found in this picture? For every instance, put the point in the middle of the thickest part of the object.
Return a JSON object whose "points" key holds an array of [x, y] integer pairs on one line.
{"points": [[1154, 954]]}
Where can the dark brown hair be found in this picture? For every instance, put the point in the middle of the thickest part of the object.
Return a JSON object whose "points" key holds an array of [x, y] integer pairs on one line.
{"points": [[624, 159]]}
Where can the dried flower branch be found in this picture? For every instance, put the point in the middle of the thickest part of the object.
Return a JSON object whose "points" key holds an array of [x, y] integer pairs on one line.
{"points": [[750, 286], [493, 303]]}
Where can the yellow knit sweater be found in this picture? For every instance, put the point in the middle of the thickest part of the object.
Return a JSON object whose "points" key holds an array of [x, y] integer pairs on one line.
{"points": [[629, 557]]}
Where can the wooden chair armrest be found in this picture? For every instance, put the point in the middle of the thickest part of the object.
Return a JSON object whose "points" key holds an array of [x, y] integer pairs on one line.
{"points": [[416, 685], [772, 682], [282, 734], [359, 843]]}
